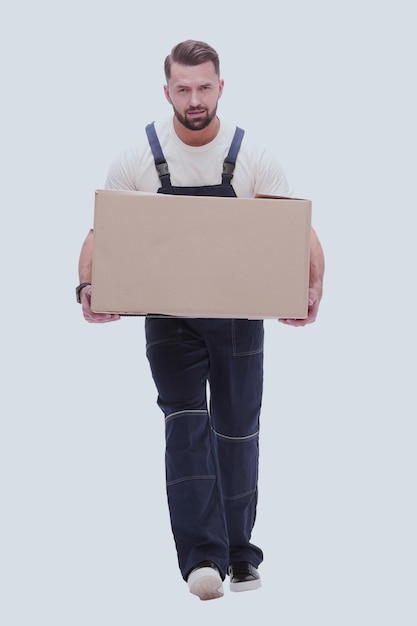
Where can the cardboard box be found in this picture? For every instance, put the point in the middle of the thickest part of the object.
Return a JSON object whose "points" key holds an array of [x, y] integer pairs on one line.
{"points": [[190, 256]]}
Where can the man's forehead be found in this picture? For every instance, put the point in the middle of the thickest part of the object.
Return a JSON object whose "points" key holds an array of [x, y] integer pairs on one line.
{"points": [[186, 73]]}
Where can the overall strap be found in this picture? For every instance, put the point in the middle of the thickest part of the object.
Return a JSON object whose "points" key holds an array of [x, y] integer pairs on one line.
{"points": [[160, 163], [230, 160]]}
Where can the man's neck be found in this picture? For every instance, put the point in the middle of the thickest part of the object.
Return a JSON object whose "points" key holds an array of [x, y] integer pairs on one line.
{"points": [[197, 137]]}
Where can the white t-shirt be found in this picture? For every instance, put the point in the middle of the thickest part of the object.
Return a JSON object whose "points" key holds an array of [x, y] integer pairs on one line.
{"points": [[256, 170]]}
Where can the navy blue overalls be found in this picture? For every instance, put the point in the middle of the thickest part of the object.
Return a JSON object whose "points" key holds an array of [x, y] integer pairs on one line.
{"points": [[211, 451]]}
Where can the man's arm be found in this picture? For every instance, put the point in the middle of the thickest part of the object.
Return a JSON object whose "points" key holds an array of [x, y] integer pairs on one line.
{"points": [[315, 291], [86, 259], [85, 266]]}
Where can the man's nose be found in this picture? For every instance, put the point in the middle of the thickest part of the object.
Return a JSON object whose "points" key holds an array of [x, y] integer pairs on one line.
{"points": [[195, 99]]}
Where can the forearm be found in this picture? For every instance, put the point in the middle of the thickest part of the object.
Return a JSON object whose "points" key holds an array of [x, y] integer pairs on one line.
{"points": [[315, 291], [316, 263], [85, 267], [85, 263]]}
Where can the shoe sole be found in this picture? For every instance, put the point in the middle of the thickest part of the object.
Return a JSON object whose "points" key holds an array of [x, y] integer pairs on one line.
{"points": [[205, 583], [248, 585]]}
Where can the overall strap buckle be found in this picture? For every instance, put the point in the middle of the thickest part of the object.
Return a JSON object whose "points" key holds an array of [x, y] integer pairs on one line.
{"points": [[160, 163], [230, 160]]}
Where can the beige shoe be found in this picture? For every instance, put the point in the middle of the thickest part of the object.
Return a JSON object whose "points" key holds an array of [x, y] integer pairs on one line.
{"points": [[205, 582]]}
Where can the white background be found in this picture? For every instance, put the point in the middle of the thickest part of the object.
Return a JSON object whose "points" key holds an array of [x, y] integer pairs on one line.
{"points": [[85, 536]]}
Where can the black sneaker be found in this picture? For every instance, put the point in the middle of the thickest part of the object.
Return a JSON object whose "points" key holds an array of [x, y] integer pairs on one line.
{"points": [[243, 576]]}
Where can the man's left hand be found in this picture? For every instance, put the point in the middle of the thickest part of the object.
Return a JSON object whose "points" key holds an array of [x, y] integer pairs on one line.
{"points": [[314, 296]]}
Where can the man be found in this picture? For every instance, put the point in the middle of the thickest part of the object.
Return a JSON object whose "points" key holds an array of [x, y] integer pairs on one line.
{"points": [[211, 451]]}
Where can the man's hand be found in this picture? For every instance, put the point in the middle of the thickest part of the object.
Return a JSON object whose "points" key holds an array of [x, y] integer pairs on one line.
{"points": [[90, 316], [314, 296], [316, 283]]}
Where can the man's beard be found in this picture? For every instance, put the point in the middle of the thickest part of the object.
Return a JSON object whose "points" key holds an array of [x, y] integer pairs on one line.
{"points": [[196, 124]]}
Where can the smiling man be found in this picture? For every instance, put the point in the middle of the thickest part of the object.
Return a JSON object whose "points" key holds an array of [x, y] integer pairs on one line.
{"points": [[211, 450]]}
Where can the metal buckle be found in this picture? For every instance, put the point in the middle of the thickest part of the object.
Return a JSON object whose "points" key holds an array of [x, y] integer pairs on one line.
{"points": [[228, 168], [162, 168]]}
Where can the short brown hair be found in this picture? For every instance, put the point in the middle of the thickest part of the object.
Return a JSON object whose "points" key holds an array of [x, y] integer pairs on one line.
{"points": [[191, 52]]}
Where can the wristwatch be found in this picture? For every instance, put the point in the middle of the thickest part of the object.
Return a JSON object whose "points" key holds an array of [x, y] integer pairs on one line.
{"points": [[78, 291]]}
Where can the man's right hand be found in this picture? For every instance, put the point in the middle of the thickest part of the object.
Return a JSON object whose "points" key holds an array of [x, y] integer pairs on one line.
{"points": [[90, 316]]}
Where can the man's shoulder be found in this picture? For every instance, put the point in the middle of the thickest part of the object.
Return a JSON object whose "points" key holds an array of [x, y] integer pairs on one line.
{"points": [[164, 128], [250, 145]]}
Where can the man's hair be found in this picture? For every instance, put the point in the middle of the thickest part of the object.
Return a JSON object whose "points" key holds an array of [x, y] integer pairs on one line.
{"points": [[191, 52]]}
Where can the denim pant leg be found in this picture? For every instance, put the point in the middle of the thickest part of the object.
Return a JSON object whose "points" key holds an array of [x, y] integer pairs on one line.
{"points": [[236, 383], [179, 363]]}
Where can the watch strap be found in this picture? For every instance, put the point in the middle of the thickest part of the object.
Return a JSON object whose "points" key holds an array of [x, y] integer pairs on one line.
{"points": [[78, 291]]}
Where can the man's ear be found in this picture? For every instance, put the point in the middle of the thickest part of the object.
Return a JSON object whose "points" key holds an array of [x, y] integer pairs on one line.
{"points": [[166, 92], [221, 86]]}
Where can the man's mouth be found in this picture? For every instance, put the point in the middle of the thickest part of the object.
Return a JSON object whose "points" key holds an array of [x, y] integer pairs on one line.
{"points": [[196, 112]]}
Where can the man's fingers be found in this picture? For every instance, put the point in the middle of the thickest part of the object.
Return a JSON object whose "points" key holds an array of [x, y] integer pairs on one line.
{"points": [[89, 315], [101, 318]]}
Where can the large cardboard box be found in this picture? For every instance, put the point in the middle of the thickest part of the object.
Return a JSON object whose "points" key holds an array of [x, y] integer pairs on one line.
{"points": [[193, 256]]}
